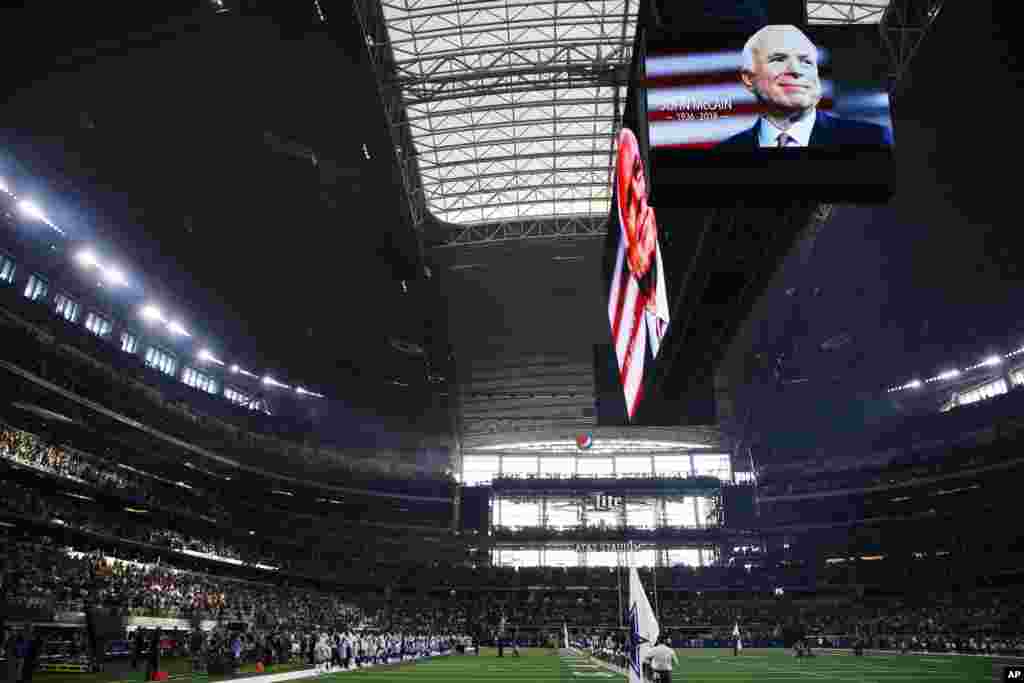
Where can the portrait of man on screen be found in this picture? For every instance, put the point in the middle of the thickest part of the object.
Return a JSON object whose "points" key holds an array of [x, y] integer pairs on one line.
{"points": [[781, 69]]}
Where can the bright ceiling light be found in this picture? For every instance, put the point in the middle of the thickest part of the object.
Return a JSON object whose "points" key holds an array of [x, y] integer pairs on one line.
{"points": [[949, 374], [274, 383], [4, 187], [915, 384], [307, 392], [114, 276], [176, 328], [234, 368], [152, 313], [207, 357], [992, 360], [86, 258], [29, 208]]}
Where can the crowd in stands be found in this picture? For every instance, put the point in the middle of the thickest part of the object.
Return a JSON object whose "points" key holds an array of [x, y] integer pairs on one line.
{"points": [[289, 624], [37, 572], [916, 447], [994, 628], [426, 613], [680, 577], [930, 621], [70, 357], [28, 449], [27, 501], [998, 412], [224, 650], [746, 574], [142, 490], [901, 470]]}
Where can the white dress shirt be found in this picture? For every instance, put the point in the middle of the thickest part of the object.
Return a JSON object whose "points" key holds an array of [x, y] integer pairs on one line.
{"points": [[662, 657], [799, 133]]}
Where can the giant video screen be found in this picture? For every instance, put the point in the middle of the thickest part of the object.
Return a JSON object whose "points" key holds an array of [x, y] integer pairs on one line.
{"points": [[774, 112], [734, 104], [638, 279], [638, 311]]}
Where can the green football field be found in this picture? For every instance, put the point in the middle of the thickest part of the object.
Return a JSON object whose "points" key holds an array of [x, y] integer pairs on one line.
{"points": [[549, 666], [777, 666]]}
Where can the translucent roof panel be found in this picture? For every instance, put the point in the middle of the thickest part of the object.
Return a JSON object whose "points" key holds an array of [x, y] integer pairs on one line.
{"points": [[846, 11], [511, 103]]}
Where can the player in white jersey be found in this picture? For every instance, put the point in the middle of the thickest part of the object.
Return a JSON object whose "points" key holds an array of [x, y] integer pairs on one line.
{"points": [[323, 654]]}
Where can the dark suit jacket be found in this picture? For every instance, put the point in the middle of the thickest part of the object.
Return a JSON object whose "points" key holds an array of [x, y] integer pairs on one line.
{"points": [[829, 131]]}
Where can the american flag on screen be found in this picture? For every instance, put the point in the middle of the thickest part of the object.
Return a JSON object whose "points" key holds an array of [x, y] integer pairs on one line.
{"points": [[637, 305], [695, 100]]}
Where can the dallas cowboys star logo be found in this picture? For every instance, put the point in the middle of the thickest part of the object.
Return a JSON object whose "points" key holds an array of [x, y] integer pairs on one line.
{"points": [[636, 639]]}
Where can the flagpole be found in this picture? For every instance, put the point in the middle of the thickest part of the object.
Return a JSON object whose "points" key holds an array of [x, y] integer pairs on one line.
{"points": [[657, 609], [618, 576]]}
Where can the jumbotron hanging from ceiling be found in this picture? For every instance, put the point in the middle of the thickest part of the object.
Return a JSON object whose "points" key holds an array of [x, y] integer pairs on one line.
{"points": [[503, 112]]}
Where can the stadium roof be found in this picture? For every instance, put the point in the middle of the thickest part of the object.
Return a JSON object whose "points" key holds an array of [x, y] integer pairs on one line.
{"points": [[846, 11], [512, 104]]}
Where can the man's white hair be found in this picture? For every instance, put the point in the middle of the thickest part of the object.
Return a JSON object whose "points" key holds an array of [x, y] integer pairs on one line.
{"points": [[752, 42]]}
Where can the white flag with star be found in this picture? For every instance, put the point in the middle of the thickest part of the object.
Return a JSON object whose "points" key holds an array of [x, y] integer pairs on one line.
{"points": [[643, 627]]}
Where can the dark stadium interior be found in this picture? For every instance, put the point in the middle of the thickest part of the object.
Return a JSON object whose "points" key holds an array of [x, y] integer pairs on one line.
{"points": [[263, 375]]}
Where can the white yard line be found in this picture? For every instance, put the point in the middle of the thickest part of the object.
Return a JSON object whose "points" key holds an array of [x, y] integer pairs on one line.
{"points": [[791, 672]]}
